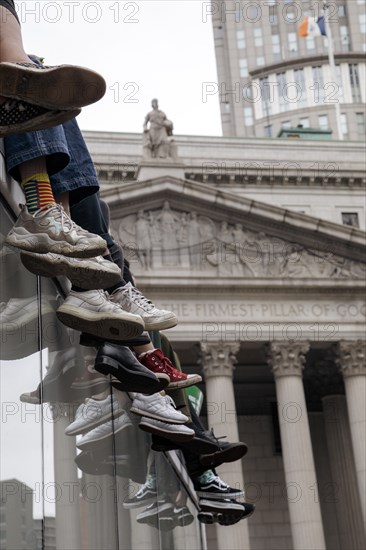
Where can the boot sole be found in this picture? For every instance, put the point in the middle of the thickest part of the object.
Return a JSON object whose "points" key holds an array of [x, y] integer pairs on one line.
{"points": [[63, 87], [84, 277], [99, 324], [130, 381], [228, 455], [41, 122]]}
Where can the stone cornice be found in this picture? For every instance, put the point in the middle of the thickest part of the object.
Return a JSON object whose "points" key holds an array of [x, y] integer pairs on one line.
{"points": [[351, 357], [342, 240], [218, 359], [287, 358]]}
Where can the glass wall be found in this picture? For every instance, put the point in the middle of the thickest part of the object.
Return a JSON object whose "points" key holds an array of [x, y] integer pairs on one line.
{"points": [[74, 490]]}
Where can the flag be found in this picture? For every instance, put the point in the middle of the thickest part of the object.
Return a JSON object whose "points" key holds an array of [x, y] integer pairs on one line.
{"points": [[312, 26]]}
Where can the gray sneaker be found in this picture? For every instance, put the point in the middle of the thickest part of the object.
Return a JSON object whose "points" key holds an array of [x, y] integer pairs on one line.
{"points": [[131, 299], [51, 230], [93, 312], [89, 274]]}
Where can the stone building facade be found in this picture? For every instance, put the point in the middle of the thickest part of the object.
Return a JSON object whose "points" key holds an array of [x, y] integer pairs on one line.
{"points": [[268, 286]]}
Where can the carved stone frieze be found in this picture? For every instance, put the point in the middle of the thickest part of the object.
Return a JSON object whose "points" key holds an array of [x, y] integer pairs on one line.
{"points": [[219, 358], [287, 358], [350, 357], [191, 242]]}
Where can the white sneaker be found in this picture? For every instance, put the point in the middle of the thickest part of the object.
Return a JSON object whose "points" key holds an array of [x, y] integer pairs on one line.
{"points": [[91, 311], [158, 407], [104, 431], [174, 432], [90, 273], [50, 229], [132, 300], [93, 413]]}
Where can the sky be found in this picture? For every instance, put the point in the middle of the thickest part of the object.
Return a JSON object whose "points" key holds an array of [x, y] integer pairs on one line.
{"points": [[143, 48]]}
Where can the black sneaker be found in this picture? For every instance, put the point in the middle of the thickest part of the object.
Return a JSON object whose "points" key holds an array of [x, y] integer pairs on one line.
{"points": [[227, 452], [216, 489], [150, 516], [221, 506], [18, 116], [197, 445], [228, 518], [145, 495], [182, 516], [120, 362]]}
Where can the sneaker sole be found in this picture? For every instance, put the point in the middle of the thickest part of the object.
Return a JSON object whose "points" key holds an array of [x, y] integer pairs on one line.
{"points": [[173, 436], [105, 418], [161, 324], [146, 502], [208, 518], [84, 277], [64, 87], [228, 455], [186, 383], [41, 243], [129, 380], [41, 122], [219, 496], [91, 443], [102, 325], [217, 507], [156, 416], [27, 398]]}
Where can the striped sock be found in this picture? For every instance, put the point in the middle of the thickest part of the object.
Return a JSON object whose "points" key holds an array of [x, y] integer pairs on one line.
{"points": [[38, 192]]}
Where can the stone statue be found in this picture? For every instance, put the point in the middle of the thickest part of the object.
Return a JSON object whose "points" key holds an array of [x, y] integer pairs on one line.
{"points": [[168, 225], [157, 132], [143, 240]]}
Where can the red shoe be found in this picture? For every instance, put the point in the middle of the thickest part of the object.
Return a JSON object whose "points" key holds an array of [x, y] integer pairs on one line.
{"points": [[158, 363]]}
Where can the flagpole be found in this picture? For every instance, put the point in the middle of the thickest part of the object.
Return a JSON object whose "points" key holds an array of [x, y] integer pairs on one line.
{"points": [[332, 66]]}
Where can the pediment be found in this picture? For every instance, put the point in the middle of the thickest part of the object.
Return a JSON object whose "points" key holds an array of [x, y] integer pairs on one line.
{"points": [[180, 228]]}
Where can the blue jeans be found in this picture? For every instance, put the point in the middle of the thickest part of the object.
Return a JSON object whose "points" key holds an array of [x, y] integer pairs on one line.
{"points": [[69, 164]]}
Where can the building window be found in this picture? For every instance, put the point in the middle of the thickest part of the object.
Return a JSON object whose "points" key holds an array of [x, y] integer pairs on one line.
{"points": [[363, 23], [300, 82], [268, 130], [323, 122], [318, 84], [344, 124], [339, 83], [350, 218], [282, 82], [360, 121], [355, 83], [342, 10], [292, 43], [266, 96], [258, 39], [286, 124], [248, 116], [305, 122], [243, 64], [343, 29], [240, 40], [310, 43], [276, 47], [260, 61]]}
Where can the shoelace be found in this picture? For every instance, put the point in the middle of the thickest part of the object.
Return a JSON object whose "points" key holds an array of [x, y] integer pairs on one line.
{"points": [[169, 401], [58, 213], [135, 296], [220, 482]]}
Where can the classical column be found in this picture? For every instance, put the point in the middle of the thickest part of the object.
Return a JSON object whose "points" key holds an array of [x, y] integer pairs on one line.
{"points": [[287, 362], [344, 486], [218, 362], [351, 361]]}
